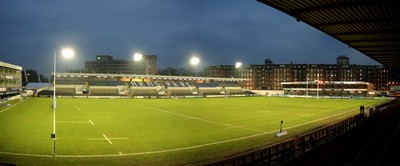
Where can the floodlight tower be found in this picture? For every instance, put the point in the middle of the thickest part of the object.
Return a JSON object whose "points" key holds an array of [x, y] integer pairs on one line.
{"points": [[137, 57], [317, 86], [68, 54], [307, 86], [194, 61], [237, 66]]}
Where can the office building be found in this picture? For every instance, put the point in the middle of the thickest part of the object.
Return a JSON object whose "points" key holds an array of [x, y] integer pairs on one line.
{"points": [[107, 64], [269, 76]]}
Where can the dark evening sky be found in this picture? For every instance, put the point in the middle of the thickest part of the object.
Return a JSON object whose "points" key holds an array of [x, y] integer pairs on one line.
{"points": [[220, 32]]}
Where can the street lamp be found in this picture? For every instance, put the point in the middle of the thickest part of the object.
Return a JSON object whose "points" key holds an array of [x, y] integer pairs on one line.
{"points": [[66, 53]]}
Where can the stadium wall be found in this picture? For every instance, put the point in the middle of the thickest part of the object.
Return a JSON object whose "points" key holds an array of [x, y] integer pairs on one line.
{"points": [[268, 92]]}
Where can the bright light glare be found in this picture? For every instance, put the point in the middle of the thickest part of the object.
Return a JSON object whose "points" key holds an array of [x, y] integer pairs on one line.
{"points": [[238, 65], [138, 56], [67, 53], [194, 61]]}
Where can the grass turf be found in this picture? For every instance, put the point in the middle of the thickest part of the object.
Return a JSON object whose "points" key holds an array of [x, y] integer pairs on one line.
{"points": [[156, 131]]}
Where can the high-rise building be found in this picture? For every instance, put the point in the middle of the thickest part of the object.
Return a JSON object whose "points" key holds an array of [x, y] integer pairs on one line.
{"points": [[107, 64], [342, 60], [148, 65], [269, 76]]}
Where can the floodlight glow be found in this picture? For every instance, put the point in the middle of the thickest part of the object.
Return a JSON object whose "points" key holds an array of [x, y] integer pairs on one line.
{"points": [[67, 53], [138, 56], [194, 61], [238, 65]]}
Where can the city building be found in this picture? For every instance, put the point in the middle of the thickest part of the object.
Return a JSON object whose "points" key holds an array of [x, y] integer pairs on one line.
{"points": [[10, 79], [269, 76], [107, 64], [342, 60]]}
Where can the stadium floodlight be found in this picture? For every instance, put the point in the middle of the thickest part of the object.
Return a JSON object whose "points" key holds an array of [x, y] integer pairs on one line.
{"points": [[194, 61], [307, 86], [66, 53], [318, 86], [238, 65], [137, 57]]}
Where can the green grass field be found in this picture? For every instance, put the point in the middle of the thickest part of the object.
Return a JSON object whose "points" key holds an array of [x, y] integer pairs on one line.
{"points": [[156, 131]]}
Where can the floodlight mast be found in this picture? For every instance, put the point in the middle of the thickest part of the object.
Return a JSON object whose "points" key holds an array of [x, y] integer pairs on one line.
{"points": [[54, 105], [194, 61], [307, 86], [137, 57], [317, 86], [66, 53]]}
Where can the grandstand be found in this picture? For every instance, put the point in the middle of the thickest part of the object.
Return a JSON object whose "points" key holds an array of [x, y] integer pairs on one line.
{"points": [[142, 86], [10, 80], [330, 89]]}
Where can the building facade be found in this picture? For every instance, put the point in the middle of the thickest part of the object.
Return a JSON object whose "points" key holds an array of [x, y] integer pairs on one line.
{"points": [[107, 64], [269, 76], [10, 79]]}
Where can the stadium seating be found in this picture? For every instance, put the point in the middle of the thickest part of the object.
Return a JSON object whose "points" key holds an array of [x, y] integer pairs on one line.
{"points": [[209, 91], [70, 82], [99, 86], [103, 92], [65, 91], [180, 91]]}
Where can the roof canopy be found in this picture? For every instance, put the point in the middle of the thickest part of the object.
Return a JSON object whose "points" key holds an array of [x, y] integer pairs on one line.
{"points": [[369, 26]]}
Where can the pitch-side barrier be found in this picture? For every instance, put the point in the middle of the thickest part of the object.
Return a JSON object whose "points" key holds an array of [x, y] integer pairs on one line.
{"points": [[286, 150]]}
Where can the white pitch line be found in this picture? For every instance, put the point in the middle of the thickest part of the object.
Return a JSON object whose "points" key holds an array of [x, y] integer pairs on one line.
{"points": [[91, 122], [9, 107], [235, 127], [72, 122], [120, 153], [107, 139], [119, 138], [77, 108], [194, 118], [93, 139], [202, 119], [265, 111], [171, 150]]}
